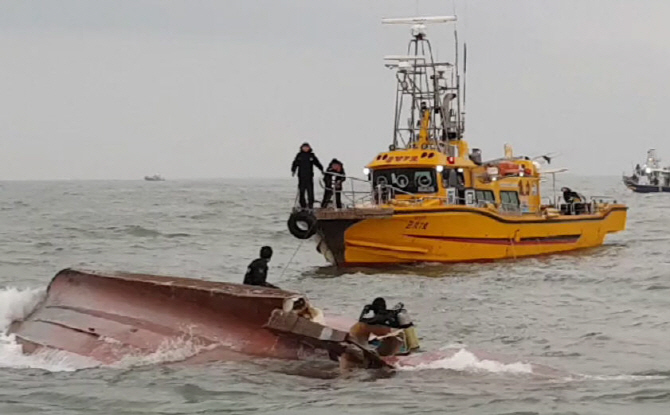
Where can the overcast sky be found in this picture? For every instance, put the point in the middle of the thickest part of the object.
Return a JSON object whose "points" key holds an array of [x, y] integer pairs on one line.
{"points": [[194, 89]]}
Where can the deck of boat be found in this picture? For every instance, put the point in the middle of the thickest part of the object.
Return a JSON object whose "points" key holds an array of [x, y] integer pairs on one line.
{"points": [[353, 213]]}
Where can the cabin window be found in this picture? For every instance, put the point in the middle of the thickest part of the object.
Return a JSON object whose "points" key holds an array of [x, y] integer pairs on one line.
{"points": [[509, 200], [452, 178], [485, 196], [407, 180]]}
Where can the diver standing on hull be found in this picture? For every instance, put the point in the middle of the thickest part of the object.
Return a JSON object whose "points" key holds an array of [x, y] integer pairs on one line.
{"points": [[257, 272]]}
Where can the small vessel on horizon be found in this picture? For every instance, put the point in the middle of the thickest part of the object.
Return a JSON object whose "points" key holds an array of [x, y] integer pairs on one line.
{"points": [[154, 178], [431, 198], [650, 177]]}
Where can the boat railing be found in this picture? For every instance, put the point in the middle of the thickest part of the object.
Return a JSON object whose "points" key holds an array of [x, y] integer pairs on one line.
{"points": [[353, 198], [602, 199], [381, 195], [548, 201]]}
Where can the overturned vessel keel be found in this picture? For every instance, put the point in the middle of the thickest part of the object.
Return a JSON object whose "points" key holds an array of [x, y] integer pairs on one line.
{"points": [[107, 316]]}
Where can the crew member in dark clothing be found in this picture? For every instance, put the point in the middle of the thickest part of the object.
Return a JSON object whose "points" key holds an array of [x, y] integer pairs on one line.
{"points": [[304, 164], [570, 196], [257, 272], [375, 319], [393, 328], [380, 316], [333, 179]]}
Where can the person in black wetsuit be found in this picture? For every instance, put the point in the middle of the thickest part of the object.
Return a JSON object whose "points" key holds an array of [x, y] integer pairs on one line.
{"points": [[375, 319], [378, 315], [333, 179], [257, 272], [570, 196], [393, 328], [304, 164]]}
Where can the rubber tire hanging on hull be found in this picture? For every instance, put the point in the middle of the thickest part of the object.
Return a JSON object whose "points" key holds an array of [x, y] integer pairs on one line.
{"points": [[302, 217]]}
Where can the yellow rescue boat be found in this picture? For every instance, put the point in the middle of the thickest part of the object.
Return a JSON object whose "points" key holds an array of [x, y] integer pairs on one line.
{"points": [[432, 199]]}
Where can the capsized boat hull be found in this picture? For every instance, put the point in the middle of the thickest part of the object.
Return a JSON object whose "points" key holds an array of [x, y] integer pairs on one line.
{"points": [[108, 316], [459, 234]]}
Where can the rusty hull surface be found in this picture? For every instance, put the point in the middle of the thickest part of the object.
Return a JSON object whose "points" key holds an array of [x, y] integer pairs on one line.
{"points": [[107, 316]]}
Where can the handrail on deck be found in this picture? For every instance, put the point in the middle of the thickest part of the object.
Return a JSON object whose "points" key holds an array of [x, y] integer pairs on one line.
{"points": [[382, 194]]}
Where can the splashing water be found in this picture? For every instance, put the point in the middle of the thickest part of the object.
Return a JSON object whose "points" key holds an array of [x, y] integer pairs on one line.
{"points": [[16, 304], [169, 351], [465, 361]]}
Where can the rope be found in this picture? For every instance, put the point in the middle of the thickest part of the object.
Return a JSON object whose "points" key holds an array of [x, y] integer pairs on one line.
{"points": [[296, 251], [291, 259]]}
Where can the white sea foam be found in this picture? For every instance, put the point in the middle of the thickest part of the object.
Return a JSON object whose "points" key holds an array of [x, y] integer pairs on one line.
{"points": [[620, 378], [465, 361], [16, 304], [170, 350]]}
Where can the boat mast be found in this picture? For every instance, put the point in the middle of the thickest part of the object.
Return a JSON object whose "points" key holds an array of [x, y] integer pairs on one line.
{"points": [[426, 85]]}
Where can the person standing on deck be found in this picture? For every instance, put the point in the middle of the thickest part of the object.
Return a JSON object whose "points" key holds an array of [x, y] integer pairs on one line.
{"points": [[570, 196], [304, 164], [333, 179]]}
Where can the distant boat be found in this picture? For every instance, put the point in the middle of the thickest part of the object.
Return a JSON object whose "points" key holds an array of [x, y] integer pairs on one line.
{"points": [[154, 178], [650, 177]]}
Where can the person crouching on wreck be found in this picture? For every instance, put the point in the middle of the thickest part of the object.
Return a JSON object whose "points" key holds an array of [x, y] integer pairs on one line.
{"points": [[393, 328], [257, 272], [305, 310]]}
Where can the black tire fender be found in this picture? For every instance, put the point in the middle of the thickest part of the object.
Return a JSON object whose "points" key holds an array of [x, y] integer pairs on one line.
{"points": [[309, 224]]}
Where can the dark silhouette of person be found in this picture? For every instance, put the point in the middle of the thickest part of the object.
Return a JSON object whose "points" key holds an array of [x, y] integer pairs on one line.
{"points": [[257, 272], [570, 196], [333, 179], [378, 320], [304, 164], [377, 314]]}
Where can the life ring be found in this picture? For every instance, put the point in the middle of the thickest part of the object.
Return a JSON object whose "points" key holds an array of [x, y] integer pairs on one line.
{"points": [[302, 224]]}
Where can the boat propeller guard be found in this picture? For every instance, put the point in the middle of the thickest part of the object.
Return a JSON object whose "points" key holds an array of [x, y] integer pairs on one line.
{"points": [[302, 224]]}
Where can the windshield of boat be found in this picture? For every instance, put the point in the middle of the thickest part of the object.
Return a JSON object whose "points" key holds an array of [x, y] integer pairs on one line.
{"points": [[417, 180]]}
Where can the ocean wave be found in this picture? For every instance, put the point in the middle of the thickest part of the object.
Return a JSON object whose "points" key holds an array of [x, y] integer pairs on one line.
{"points": [[130, 230], [169, 351], [622, 378], [466, 361], [142, 232], [223, 203], [139, 231]]}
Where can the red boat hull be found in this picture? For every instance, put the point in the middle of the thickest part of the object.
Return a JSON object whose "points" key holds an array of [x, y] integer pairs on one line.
{"points": [[107, 316]]}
